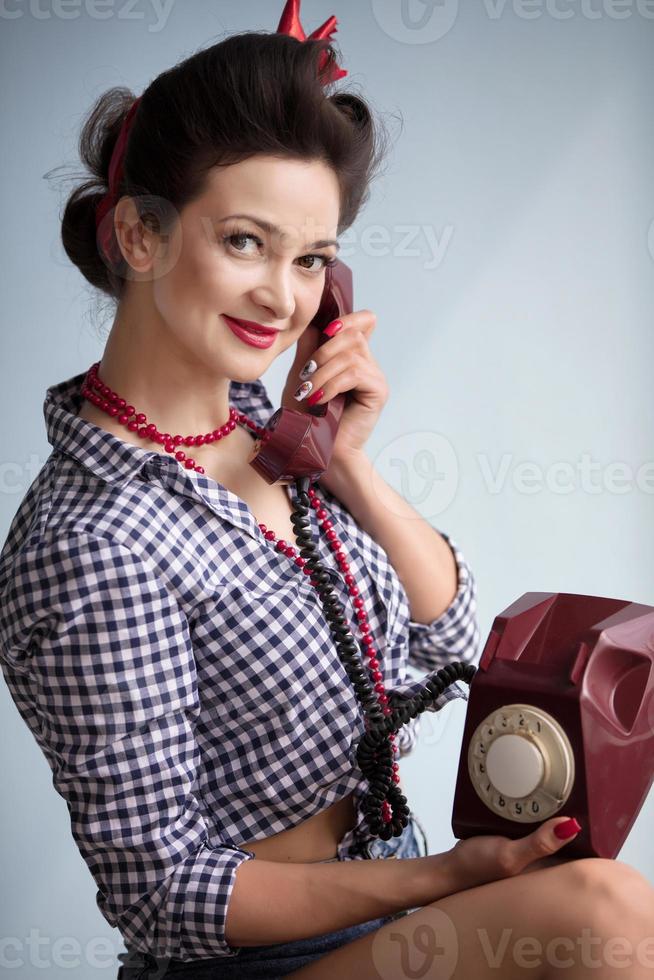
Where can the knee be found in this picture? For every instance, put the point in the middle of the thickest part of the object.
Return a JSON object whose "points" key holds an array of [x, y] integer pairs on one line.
{"points": [[612, 886]]}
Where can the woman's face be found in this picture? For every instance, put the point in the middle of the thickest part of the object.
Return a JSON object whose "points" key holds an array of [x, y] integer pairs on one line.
{"points": [[215, 264]]}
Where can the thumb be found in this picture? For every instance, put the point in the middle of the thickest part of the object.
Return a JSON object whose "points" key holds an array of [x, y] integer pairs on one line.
{"points": [[550, 837]]}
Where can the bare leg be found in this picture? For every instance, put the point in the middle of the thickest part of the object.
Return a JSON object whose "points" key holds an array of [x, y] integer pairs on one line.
{"points": [[588, 919]]}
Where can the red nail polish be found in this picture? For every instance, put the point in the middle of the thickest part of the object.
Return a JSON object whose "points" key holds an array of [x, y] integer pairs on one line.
{"points": [[567, 829], [312, 399], [333, 327]]}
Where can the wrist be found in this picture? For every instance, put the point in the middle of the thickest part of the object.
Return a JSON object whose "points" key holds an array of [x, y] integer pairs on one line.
{"points": [[345, 471], [429, 879]]}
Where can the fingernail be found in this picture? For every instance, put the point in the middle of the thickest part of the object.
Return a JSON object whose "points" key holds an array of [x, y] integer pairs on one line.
{"points": [[308, 369], [303, 391], [567, 829], [317, 395], [333, 327]]}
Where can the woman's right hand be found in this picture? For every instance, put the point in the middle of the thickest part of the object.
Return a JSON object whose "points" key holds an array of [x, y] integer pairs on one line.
{"points": [[479, 860]]}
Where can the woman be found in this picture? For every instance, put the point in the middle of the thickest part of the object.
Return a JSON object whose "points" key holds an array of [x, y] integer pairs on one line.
{"points": [[159, 634]]}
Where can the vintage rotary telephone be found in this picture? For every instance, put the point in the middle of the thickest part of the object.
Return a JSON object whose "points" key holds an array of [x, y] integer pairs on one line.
{"points": [[560, 717]]}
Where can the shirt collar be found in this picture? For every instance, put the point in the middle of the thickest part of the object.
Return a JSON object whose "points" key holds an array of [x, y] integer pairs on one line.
{"points": [[117, 462]]}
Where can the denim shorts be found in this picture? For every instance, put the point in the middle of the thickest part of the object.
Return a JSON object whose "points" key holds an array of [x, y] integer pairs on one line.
{"points": [[275, 961]]}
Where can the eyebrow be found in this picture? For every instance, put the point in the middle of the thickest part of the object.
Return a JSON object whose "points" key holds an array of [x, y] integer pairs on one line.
{"points": [[271, 229]]}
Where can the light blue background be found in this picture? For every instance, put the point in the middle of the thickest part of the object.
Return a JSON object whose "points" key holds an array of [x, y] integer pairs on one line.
{"points": [[526, 337]]}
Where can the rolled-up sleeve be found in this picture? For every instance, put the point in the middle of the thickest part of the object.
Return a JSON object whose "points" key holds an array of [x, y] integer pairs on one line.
{"points": [[108, 658], [454, 635]]}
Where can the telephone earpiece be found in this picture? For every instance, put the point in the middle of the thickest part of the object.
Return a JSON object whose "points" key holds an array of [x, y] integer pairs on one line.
{"points": [[297, 444]]}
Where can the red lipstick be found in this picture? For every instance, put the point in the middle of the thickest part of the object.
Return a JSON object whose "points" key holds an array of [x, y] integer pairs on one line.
{"points": [[251, 333]]}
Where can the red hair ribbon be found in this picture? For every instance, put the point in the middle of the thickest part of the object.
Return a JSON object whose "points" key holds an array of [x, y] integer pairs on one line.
{"points": [[106, 233], [289, 24]]}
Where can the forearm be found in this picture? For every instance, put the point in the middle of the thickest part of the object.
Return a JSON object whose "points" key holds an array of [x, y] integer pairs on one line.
{"points": [[421, 557], [275, 902]]}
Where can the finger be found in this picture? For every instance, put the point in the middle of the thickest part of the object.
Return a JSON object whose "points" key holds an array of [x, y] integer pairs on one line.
{"points": [[364, 320], [542, 842], [340, 374]]}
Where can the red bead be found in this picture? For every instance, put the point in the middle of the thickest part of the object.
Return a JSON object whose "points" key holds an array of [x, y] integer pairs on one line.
{"points": [[129, 409], [379, 688], [189, 463], [178, 439], [373, 663], [328, 525], [377, 676], [189, 441], [395, 777], [150, 428], [121, 403], [209, 437], [199, 469], [383, 699], [307, 570], [299, 561], [270, 535], [321, 514], [141, 418], [331, 535], [123, 419], [143, 432], [180, 455], [169, 447], [132, 426], [263, 527], [199, 440], [349, 580], [289, 552], [387, 711], [280, 545], [364, 627], [114, 410]]}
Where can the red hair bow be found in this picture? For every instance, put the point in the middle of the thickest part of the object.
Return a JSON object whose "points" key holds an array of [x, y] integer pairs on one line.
{"points": [[290, 24]]}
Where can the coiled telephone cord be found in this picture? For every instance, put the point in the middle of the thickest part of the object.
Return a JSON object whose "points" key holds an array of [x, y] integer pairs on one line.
{"points": [[374, 752]]}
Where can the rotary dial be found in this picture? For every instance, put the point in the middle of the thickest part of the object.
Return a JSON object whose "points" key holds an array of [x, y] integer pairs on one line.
{"points": [[521, 763]]}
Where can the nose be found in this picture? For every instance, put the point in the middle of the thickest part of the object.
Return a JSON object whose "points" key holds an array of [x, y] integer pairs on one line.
{"points": [[275, 292]]}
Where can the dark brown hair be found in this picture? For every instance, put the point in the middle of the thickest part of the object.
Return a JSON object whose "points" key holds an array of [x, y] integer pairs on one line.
{"points": [[252, 93]]}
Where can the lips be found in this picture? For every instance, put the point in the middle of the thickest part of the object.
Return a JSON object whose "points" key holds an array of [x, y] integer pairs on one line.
{"points": [[254, 327], [252, 337]]}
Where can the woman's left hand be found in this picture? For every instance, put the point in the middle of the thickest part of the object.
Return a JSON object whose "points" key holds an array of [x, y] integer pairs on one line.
{"points": [[345, 364]]}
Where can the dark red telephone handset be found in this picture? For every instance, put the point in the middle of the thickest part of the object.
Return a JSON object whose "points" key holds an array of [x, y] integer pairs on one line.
{"points": [[300, 443]]}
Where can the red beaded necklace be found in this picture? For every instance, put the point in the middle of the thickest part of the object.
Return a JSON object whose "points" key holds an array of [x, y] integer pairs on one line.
{"points": [[102, 396]]}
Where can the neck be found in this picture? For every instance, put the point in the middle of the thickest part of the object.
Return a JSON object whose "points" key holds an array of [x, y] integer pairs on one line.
{"points": [[162, 380]]}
